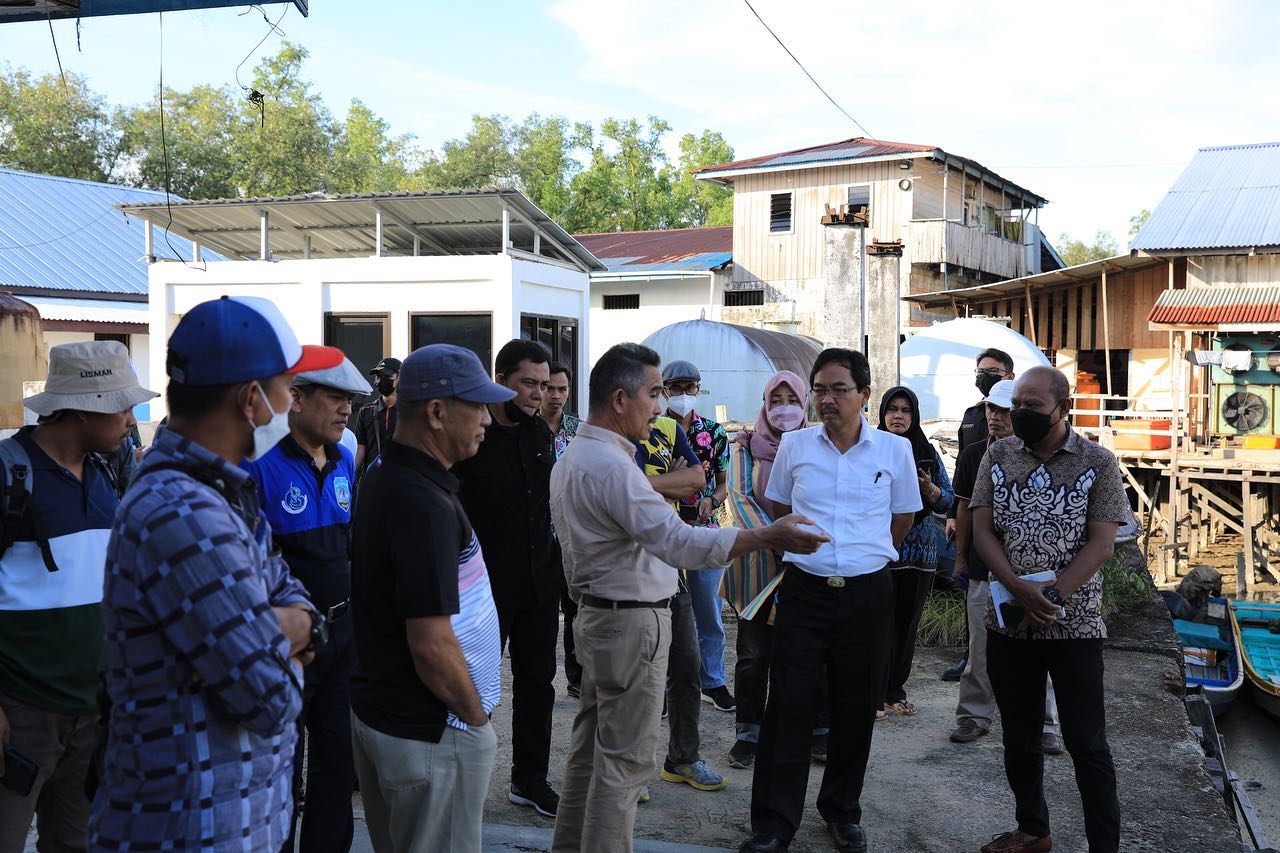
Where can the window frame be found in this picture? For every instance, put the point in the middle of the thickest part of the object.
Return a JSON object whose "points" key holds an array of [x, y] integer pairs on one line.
{"points": [[605, 297], [870, 192], [791, 212]]}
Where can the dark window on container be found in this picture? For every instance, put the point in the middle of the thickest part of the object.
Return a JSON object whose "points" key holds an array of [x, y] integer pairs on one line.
{"points": [[860, 202], [621, 301], [742, 298], [780, 212], [471, 331]]}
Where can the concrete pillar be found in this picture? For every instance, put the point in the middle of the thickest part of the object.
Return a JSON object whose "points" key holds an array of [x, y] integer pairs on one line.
{"points": [[882, 268], [842, 321]]}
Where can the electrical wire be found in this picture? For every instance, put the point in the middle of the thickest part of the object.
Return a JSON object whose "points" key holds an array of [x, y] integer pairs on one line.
{"points": [[795, 59], [164, 148], [273, 28], [62, 236], [49, 18]]}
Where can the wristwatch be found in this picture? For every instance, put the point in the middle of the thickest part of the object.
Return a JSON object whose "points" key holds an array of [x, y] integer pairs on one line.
{"points": [[319, 631], [1052, 595], [715, 503]]}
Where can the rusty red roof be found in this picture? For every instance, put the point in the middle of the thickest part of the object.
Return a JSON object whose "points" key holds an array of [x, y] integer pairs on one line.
{"points": [[679, 248], [1212, 306], [846, 149]]}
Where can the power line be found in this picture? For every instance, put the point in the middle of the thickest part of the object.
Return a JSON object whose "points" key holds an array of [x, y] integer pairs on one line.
{"points": [[827, 95]]}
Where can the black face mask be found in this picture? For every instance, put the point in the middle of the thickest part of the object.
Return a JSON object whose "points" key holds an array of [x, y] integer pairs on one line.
{"points": [[1031, 426], [386, 386], [987, 381], [516, 413]]}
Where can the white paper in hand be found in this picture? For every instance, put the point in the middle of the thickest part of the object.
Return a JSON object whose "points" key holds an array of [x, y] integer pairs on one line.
{"points": [[1001, 595]]}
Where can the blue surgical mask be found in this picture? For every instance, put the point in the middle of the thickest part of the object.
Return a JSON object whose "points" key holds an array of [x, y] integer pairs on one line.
{"points": [[269, 434]]}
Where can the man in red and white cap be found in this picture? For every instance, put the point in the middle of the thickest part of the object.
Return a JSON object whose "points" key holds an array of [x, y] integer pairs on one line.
{"points": [[205, 627]]}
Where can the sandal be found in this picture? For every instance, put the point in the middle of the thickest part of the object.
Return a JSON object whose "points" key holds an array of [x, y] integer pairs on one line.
{"points": [[902, 709], [881, 716]]}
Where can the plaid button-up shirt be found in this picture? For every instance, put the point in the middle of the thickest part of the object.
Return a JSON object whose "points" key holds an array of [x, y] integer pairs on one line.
{"points": [[204, 699]]}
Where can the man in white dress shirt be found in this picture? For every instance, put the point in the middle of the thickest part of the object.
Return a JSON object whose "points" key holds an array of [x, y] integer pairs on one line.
{"points": [[834, 606]]}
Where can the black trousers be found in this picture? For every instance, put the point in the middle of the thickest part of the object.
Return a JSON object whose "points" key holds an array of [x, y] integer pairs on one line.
{"points": [[840, 635], [684, 683], [531, 635], [910, 589], [1017, 669], [751, 677], [572, 669], [325, 727]]}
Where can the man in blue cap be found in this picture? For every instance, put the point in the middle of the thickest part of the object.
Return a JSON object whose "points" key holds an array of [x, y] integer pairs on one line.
{"points": [[206, 629], [304, 487], [428, 649]]}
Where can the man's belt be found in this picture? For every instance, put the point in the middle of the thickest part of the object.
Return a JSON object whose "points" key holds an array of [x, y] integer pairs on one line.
{"points": [[609, 604], [338, 611]]}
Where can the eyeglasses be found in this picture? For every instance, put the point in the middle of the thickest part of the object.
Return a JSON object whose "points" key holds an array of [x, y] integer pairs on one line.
{"points": [[835, 392], [989, 371]]}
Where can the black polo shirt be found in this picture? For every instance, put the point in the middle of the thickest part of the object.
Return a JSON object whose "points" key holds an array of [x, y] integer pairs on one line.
{"points": [[506, 489], [962, 483], [407, 533], [375, 425]]}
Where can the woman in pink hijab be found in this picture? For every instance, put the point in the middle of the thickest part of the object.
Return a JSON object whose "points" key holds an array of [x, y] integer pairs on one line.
{"points": [[750, 580]]}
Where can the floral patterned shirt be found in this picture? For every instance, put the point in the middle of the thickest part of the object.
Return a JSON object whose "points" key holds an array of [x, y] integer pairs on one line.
{"points": [[568, 429], [711, 444], [1041, 511]]}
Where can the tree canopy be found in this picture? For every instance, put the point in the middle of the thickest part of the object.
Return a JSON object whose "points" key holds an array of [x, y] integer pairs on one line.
{"points": [[1074, 251], [220, 144]]}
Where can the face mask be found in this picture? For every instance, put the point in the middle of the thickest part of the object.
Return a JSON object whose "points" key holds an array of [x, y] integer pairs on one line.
{"points": [[681, 404], [986, 382], [386, 386], [269, 434], [1030, 426], [785, 418]]}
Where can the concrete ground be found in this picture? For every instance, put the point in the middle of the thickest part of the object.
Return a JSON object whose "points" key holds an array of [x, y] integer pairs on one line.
{"points": [[924, 793]]}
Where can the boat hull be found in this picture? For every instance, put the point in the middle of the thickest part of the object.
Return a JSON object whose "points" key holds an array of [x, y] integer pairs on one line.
{"points": [[1259, 651]]}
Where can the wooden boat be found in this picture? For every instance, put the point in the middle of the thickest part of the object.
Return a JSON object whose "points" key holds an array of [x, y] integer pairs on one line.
{"points": [[1259, 645], [1212, 661]]}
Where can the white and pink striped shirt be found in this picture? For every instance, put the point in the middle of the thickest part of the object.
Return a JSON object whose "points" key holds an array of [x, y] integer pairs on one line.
{"points": [[476, 627]]}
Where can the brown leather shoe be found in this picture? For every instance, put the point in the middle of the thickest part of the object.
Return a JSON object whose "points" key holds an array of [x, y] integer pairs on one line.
{"points": [[1018, 842], [967, 732]]}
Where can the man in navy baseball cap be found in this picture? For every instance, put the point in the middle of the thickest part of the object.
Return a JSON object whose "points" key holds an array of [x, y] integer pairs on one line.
{"points": [[203, 620], [428, 649]]}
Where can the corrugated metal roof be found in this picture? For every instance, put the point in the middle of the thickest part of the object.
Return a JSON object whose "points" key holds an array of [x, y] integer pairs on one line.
{"points": [[1212, 306], [64, 234], [1038, 283], [88, 310], [446, 222], [679, 249], [1227, 198]]}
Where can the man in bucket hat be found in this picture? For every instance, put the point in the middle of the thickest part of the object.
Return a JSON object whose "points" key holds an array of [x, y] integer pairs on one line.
{"points": [[58, 503], [305, 490], [205, 626], [428, 650]]}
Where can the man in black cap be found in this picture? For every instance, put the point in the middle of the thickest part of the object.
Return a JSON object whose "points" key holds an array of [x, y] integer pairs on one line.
{"points": [[428, 652], [506, 492], [376, 421]]}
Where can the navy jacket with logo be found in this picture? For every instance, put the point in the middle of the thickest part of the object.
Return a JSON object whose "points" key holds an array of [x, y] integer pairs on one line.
{"points": [[310, 514]]}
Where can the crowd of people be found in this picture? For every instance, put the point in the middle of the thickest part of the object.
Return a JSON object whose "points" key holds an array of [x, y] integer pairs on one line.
{"points": [[287, 597]]}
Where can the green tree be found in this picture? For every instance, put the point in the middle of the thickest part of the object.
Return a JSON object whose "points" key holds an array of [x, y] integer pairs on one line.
{"points": [[1137, 221], [625, 186], [367, 157], [201, 127], [544, 150], [1073, 251], [56, 128], [482, 158], [697, 202]]}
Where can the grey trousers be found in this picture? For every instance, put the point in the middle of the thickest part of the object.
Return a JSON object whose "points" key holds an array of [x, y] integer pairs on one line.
{"points": [[61, 745], [684, 684], [977, 701], [615, 734], [422, 797]]}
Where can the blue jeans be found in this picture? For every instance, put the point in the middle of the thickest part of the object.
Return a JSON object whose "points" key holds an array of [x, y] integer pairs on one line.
{"points": [[704, 588]]}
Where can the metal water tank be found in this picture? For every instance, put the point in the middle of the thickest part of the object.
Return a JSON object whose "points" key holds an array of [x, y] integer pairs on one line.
{"points": [[22, 357]]}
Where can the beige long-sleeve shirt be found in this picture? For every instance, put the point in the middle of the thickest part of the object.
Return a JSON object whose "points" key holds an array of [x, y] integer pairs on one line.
{"points": [[618, 537]]}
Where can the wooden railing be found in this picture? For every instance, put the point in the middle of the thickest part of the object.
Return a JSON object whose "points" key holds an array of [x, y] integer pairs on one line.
{"points": [[966, 246]]}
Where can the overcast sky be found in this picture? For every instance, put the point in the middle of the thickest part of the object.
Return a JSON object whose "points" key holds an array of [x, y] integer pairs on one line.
{"points": [[1095, 105]]}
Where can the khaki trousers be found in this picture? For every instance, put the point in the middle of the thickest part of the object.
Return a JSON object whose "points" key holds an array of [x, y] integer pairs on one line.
{"points": [[977, 701], [615, 734], [422, 797]]}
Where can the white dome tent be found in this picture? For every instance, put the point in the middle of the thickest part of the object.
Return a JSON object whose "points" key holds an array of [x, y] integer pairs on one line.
{"points": [[937, 363], [735, 361]]}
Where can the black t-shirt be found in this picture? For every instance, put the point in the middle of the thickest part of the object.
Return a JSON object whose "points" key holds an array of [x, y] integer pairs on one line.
{"points": [[506, 490], [966, 474], [973, 426], [407, 533], [374, 427]]}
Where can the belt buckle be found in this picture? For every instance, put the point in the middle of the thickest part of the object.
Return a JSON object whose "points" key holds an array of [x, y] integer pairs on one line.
{"points": [[338, 611], [836, 581]]}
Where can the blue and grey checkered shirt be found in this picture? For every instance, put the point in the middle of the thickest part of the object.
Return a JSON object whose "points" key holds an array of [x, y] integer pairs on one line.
{"points": [[204, 700]]}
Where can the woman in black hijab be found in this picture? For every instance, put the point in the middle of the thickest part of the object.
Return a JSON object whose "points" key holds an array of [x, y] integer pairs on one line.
{"points": [[913, 571]]}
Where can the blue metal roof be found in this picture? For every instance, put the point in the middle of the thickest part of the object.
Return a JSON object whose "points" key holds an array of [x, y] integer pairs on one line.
{"points": [[64, 234], [1226, 198], [691, 263]]}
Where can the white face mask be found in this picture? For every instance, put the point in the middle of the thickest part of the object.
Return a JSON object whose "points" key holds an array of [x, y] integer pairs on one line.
{"points": [[269, 434], [681, 404], [785, 418]]}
